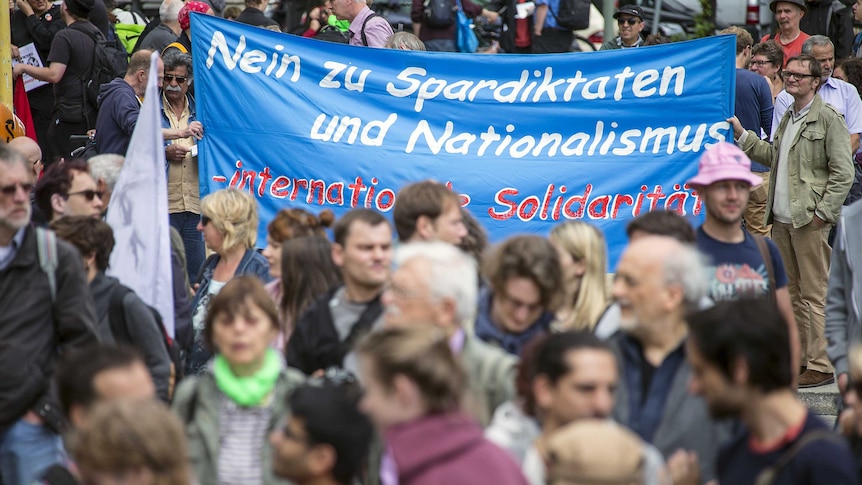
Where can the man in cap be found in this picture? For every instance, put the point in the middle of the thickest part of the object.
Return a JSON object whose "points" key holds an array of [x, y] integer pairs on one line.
{"points": [[788, 14], [812, 171], [630, 19], [742, 265], [69, 62]]}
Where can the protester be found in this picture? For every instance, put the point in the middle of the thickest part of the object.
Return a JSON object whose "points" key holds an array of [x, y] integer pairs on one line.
{"points": [[741, 265], [434, 284], [847, 70], [67, 189], [123, 317], [120, 104], [767, 59], [803, 207], [661, 223], [428, 211], [183, 43], [326, 332], [658, 281], [37, 22], [30, 150], [45, 310], [525, 279], [105, 170], [788, 15], [584, 261], [69, 62], [286, 225], [181, 131], [229, 412], [439, 34], [232, 12], [168, 29], [254, 15], [405, 41], [739, 353], [229, 225], [366, 28], [307, 272], [132, 442], [833, 20], [414, 387], [630, 19], [326, 438]]}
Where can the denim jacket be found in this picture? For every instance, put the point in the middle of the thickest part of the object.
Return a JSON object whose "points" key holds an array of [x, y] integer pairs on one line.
{"points": [[819, 165]]}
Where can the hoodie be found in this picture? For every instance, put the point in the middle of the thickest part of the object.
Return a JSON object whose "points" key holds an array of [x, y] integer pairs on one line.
{"points": [[449, 448], [119, 107]]}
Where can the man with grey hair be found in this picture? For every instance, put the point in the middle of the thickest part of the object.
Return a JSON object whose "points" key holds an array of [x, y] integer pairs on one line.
{"points": [[105, 170], [366, 28], [168, 29], [658, 282], [181, 132], [843, 96], [435, 283], [47, 311]]}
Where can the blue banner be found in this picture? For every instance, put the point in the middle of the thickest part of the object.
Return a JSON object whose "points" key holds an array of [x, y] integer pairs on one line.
{"points": [[529, 141]]}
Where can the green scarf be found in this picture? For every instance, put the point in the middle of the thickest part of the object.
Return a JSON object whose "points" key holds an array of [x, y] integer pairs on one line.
{"points": [[341, 25], [248, 391]]}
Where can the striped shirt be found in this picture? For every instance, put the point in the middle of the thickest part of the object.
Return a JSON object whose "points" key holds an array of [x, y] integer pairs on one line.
{"points": [[242, 435]]}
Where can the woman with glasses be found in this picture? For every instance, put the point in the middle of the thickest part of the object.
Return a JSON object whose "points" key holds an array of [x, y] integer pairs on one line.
{"points": [[229, 412], [229, 226], [766, 60]]}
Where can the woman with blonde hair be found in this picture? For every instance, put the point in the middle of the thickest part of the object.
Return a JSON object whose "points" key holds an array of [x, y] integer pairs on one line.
{"points": [[131, 441], [584, 260], [414, 394], [229, 226]]}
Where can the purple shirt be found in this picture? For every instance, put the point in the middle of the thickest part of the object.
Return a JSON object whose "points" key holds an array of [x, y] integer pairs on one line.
{"points": [[377, 30]]}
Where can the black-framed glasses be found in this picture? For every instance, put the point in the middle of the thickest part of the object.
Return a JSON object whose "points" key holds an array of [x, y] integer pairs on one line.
{"points": [[10, 190], [760, 63], [629, 21], [88, 194], [169, 78], [205, 220], [795, 75]]}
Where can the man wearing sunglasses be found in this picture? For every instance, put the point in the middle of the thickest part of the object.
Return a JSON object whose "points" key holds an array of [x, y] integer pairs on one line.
{"points": [[120, 103], [67, 189], [630, 19], [812, 171]]}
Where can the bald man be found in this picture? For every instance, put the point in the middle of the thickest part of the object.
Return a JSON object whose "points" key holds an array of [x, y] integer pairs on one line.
{"points": [[29, 149], [658, 281]]}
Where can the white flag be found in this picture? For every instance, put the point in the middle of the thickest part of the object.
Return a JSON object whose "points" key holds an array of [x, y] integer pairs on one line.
{"points": [[138, 211]]}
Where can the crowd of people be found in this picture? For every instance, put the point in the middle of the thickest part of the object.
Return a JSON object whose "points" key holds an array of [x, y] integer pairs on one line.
{"points": [[410, 350]]}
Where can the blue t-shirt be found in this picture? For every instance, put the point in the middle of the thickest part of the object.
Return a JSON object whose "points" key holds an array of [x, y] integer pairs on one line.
{"points": [[822, 462], [753, 106], [550, 19], [738, 270]]}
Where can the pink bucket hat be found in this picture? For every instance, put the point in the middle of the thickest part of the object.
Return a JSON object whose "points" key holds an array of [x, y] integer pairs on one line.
{"points": [[724, 161]]}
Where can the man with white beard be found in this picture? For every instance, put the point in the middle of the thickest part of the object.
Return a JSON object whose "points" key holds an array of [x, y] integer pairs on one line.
{"points": [[181, 132]]}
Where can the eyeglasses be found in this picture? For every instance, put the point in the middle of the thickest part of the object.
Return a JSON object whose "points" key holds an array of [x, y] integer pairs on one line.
{"points": [[88, 194], [629, 21], [169, 78], [205, 220], [333, 376], [760, 63], [10, 190], [795, 75], [515, 304]]}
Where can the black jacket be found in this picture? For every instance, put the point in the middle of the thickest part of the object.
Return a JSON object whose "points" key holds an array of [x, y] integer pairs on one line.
{"points": [[315, 343], [253, 16], [33, 331], [833, 19]]}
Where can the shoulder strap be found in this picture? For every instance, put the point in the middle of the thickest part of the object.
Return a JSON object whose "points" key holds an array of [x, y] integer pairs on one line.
{"points": [[117, 315], [767, 476], [46, 242], [763, 247], [363, 325], [362, 30], [179, 46]]}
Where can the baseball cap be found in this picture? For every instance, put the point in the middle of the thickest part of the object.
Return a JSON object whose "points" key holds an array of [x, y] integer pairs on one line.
{"points": [[630, 10], [724, 161]]}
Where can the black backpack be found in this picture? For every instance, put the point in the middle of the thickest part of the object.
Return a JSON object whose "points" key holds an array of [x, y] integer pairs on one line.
{"points": [[439, 14], [110, 61], [120, 330], [572, 14], [332, 34]]}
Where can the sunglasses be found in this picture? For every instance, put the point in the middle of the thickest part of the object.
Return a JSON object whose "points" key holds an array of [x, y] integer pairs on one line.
{"points": [[205, 220], [180, 80], [10, 190], [629, 21], [88, 194]]}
